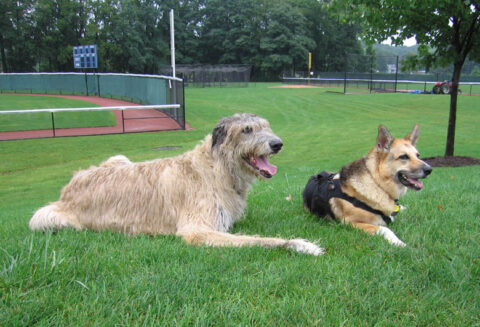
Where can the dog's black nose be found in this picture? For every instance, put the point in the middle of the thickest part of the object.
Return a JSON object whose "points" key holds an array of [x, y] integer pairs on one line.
{"points": [[427, 170], [276, 145]]}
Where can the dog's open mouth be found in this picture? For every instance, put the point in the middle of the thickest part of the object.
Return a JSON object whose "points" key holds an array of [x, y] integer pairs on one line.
{"points": [[261, 165], [410, 182]]}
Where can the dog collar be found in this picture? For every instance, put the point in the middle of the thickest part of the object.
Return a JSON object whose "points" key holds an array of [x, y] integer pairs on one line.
{"points": [[396, 209]]}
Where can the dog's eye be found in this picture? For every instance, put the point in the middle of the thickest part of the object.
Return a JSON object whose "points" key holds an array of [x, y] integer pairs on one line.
{"points": [[404, 157], [247, 130]]}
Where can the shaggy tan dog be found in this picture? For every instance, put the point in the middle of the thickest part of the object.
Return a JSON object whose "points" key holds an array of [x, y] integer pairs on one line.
{"points": [[197, 195]]}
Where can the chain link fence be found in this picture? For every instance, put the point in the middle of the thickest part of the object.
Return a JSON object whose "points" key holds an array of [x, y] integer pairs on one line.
{"points": [[197, 75], [163, 95], [366, 74]]}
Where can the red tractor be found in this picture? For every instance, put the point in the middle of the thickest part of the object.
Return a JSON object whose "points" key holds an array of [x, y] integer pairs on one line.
{"points": [[444, 87]]}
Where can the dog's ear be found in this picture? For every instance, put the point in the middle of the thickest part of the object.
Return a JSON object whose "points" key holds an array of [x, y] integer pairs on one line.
{"points": [[384, 139], [413, 135], [218, 135]]}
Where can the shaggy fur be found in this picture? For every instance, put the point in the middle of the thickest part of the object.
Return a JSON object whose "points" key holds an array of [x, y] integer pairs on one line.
{"points": [[197, 195]]}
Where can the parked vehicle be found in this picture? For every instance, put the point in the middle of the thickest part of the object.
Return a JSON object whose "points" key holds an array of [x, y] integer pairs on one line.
{"points": [[444, 87]]}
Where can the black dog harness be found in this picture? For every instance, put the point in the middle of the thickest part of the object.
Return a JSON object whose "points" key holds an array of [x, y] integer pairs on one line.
{"points": [[322, 187]]}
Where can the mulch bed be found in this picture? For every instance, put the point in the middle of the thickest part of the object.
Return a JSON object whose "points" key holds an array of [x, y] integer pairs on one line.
{"points": [[453, 161]]}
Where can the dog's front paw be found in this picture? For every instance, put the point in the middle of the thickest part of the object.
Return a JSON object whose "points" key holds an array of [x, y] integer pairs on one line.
{"points": [[304, 246], [390, 236]]}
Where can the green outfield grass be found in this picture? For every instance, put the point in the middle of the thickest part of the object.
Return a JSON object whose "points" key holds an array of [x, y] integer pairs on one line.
{"points": [[33, 121], [106, 279]]}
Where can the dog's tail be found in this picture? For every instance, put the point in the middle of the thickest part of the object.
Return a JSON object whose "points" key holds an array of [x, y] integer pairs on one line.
{"points": [[50, 217]]}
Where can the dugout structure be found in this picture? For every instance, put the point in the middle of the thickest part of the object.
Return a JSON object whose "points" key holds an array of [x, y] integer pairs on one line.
{"points": [[153, 90], [199, 75]]}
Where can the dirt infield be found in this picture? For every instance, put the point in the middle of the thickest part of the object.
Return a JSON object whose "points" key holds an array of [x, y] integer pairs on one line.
{"points": [[133, 121]]}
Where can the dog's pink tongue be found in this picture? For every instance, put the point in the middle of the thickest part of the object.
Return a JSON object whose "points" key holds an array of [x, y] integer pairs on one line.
{"points": [[416, 182], [263, 164]]}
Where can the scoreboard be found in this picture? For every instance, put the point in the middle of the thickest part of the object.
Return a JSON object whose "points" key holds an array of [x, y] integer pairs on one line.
{"points": [[85, 56]]}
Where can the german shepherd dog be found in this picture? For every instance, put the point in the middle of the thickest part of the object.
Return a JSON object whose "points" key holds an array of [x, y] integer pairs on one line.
{"points": [[365, 192]]}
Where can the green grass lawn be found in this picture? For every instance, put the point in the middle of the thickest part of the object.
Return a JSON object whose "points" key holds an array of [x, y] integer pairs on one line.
{"points": [[108, 279], [33, 121]]}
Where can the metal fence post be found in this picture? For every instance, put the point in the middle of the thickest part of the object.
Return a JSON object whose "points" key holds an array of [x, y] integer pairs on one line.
{"points": [[123, 123], [371, 73], [53, 124], [396, 75], [98, 82], [183, 104], [86, 83]]}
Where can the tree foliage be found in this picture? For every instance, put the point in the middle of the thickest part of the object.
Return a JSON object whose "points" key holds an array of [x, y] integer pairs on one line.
{"points": [[273, 36], [447, 31], [16, 34]]}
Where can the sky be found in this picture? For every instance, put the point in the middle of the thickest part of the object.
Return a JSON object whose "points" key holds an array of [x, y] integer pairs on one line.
{"points": [[408, 42]]}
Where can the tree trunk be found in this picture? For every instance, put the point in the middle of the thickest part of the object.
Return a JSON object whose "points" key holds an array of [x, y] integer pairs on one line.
{"points": [[450, 147], [2, 54]]}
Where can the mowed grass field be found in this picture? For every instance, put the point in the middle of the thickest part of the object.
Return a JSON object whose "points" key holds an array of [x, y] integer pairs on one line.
{"points": [[107, 279], [33, 121]]}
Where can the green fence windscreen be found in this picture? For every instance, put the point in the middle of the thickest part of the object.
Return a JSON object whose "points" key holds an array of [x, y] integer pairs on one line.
{"points": [[141, 89]]}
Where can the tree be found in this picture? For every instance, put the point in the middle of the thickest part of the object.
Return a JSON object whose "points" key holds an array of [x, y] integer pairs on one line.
{"points": [[270, 35], [446, 30], [228, 33], [475, 71], [99, 31], [132, 36], [59, 25], [284, 40], [189, 18], [16, 28]]}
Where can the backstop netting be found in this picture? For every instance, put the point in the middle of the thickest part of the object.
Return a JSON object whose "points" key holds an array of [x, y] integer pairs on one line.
{"points": [[199, 75]]}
